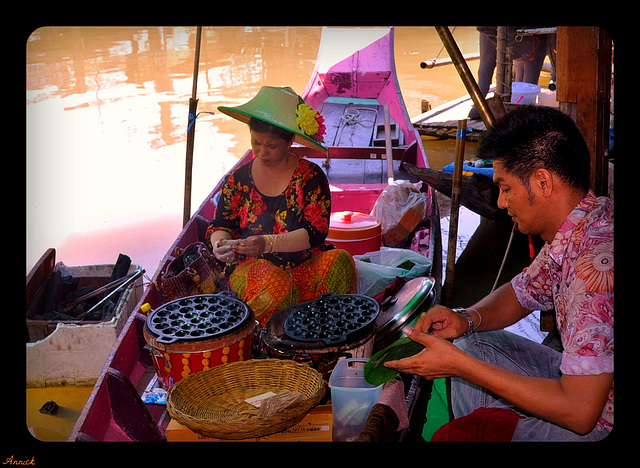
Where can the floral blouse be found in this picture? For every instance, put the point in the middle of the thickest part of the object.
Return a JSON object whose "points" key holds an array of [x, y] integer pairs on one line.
{"points": [[306, 203], [574, 275]]}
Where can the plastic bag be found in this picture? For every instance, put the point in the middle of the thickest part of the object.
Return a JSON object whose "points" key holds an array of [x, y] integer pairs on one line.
{"points": [[376, 270], [400, 207]]}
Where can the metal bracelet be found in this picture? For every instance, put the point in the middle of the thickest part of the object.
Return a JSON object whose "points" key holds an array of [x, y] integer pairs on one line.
{"points": [[466, 315]]}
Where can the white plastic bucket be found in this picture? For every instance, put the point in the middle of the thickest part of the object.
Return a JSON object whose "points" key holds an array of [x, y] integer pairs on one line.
{"points": [[524, 93]]}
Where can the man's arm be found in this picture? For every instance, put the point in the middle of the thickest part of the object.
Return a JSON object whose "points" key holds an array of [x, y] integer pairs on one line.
{"points": [[494, 312], [499, 309], [574, 401]]}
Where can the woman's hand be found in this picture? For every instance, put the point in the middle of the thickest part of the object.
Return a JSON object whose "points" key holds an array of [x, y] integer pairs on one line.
{"points": [[224, 253], [252, 246], [227, 250]]}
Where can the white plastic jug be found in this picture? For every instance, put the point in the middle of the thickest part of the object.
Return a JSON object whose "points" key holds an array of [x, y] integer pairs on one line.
{"points": [[352, 398]]}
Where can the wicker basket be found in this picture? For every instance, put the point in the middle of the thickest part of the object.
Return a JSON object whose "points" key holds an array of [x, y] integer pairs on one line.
{"points": [[212, 402]]}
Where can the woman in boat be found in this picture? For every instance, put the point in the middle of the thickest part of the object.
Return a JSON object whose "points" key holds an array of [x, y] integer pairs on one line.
{"points": [[272, 218]]}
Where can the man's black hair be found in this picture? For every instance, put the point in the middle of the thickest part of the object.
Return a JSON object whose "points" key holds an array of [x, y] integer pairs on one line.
{"points": [[532, 137]]}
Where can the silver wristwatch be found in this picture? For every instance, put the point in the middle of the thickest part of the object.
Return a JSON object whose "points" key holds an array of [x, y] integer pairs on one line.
{"points": [[466, 315]]}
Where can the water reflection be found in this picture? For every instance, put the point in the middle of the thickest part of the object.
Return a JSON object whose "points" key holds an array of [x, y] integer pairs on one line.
{"points": [[107, 114]]}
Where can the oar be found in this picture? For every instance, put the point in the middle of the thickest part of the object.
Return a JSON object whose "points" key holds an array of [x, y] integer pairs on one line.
{"points": [[129, 280], [67, 306], [191, 132]]}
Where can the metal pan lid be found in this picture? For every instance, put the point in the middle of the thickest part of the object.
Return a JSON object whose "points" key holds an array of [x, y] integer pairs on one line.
{"points": [[205, 316], [398, 310]]}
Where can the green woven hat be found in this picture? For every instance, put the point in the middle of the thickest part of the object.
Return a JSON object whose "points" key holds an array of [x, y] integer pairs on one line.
{"points": [[285, 109]]}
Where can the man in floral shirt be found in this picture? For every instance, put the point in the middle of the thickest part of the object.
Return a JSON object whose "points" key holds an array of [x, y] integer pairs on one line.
{"points": [[541, 165]]}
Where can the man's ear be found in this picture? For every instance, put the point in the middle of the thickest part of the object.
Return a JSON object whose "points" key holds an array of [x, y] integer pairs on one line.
{"points": [[544, 182]]}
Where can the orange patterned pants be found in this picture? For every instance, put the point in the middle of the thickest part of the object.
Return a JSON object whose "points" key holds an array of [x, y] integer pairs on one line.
{"points": [[267, 288]]}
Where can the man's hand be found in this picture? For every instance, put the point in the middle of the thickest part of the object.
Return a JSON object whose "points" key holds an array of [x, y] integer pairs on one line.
{"points": [[438, 359], [442, 322]]}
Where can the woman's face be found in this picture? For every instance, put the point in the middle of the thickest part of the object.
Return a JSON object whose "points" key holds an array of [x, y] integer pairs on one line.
{"points": [[268, 148]]}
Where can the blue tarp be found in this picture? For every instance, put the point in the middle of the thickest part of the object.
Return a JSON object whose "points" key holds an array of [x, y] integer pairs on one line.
{"points": [[487, 171]]}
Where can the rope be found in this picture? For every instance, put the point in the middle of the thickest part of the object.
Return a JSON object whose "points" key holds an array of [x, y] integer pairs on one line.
{"points": [[192, 118], [438, 55], [504, 259], [351, 116]]}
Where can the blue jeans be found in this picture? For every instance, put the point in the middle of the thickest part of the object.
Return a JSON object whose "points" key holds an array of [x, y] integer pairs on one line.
{"points": [[521, 355]]}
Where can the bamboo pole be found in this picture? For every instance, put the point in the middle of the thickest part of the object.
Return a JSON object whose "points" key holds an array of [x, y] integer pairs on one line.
{"points": [[455, 207], [436, 62], [466, 75], [504, 64], [389, 147], [191, 132]]}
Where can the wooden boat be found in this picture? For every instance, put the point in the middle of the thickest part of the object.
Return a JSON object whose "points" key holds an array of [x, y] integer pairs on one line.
{"points": [[363, 77], [478, 192], [71, 348], [442, 121]]}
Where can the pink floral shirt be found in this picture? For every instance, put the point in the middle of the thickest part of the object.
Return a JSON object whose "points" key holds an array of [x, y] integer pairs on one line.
{"points": [[574, 275]]}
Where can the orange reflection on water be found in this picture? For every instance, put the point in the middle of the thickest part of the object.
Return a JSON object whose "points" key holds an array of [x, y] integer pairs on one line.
{"points": [[107, 112]]}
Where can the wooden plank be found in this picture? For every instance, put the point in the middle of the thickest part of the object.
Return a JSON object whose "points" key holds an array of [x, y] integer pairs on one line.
{"points": [[374, 170], [349, 124], [331, 113], [379, 135]]}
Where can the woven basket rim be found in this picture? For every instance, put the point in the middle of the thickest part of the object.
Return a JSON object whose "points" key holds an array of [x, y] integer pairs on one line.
{"points": [[247, 425]]}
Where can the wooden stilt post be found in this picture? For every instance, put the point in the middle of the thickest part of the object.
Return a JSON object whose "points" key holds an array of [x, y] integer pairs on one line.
{"points": [[584, 91], [455, 208]]}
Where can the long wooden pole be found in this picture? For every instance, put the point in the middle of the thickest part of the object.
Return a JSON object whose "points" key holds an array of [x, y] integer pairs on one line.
{"points": [[465, 74], [389, 146], [455, 207], [191, 133], [436, 62]]}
